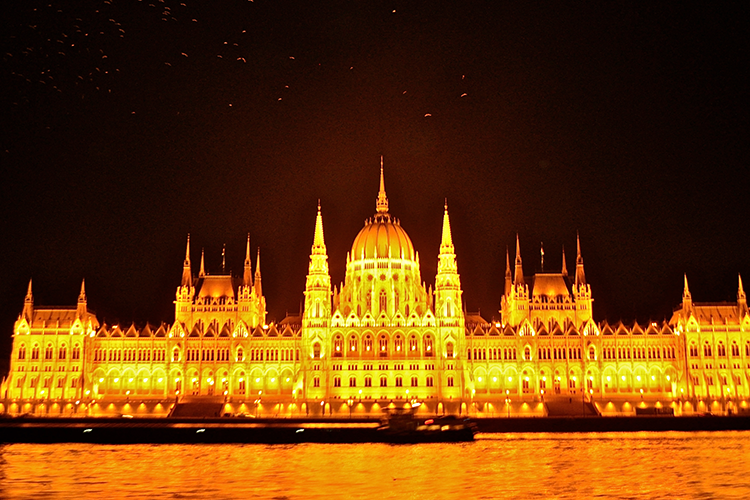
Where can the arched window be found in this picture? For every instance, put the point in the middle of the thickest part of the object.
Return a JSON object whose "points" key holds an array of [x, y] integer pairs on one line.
{"points": [[316, 350], [592, 352], [448, 308], [721, 350], [241, 384], [399, 382], [240, 354], [352, 381], [338, 346], [337, 381], [735, 349], [398, 343], [176, 354], [22, 352], [383, 345], [693, 350], [383, 381], [428, 346], [527, 353], [449, 350], [383, 302], [707, 349], [48, 352], [62, 352], [368, 381], [353, 343], [76, 352], [413, 344], [368, 343]]}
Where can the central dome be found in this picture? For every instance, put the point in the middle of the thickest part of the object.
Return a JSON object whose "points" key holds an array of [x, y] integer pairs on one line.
{"points": [[382, 236]]}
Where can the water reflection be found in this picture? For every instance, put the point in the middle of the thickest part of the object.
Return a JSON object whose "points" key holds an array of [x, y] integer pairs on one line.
{"points": [[633, 465]]}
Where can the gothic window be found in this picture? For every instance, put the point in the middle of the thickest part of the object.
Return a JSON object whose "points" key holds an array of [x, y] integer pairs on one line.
{"points": [[448, 308], [337, 381], [383, 302], [398, 343], [707, 350], [399, 382], [76, 352], [414, 382], [368, 381], [449, 350], [368, 343], [62, 352], [338, 346], [352, 381], [735, 349], [450, 381], [721, 350], [22, 352], [383, 345], [429, 382], [592, 353], [428, 346], [693, 350], [48, 352], [383, 382], [316, 350], [525, 385], [316, 382], [352, 343], [240, 354], [413, 344], [368, 301], [527, 353]]}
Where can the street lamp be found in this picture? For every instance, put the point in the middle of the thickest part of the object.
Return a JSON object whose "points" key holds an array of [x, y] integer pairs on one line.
{"points": [[350, 402], [507, 401]]}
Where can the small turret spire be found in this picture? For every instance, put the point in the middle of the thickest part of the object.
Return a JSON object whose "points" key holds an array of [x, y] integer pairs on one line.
{"points": [[258, 287], [319, 244], [446, 244], [741, 298], [81, 310], [580, 275], [28, 304], [187, 275], [82, 295], [564, 265], [202, 271], [686, 295], [740, 290], [247, 276], [518, 278], [30, 296], [224, 259], [508, 274], [382, 203]]}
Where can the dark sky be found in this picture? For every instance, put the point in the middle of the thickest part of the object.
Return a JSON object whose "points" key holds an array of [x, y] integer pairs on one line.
{"points": [[128, 124]]}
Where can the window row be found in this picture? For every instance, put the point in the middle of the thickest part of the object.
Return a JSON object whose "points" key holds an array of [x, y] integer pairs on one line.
{"points": [[146, 355], [49, 352]]}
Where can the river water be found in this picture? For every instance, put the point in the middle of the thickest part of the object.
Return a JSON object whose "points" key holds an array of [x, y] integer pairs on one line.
{"points": [[608, 465]]}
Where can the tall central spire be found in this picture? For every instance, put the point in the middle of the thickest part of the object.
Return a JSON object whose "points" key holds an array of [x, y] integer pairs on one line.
{"points": [[319, 244], [382, 203]]}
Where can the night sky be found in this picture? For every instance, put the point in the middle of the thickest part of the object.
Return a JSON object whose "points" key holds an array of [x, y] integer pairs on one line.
{"points": [[128, 124]]}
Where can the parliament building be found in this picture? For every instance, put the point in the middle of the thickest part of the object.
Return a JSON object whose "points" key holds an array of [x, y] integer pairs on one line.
{"points": [[383, 338]]}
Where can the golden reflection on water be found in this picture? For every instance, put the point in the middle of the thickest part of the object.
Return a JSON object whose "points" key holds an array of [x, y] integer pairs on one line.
{"points": [[607, 465]]}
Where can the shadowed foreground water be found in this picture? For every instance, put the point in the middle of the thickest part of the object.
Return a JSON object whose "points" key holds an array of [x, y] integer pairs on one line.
{"points": [[611, 465]]}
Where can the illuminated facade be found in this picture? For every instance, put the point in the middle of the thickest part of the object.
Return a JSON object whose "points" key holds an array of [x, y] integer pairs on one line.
{"points": [[382, 337]]}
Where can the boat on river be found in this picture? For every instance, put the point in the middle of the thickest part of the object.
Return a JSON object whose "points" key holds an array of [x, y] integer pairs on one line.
{"points": [[402, 425]]}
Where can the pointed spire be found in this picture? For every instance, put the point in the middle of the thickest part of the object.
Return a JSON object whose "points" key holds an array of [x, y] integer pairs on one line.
{"points": [[446, 244], [580, 275], [247, 276], [564, 265], [224, 259], [258, 287], [382, 203], [319, 244], [740, 290], [508, 275], [187, 275], [686, 295], [202, 271], [81, 310], [518, 278], [28, 304]]}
